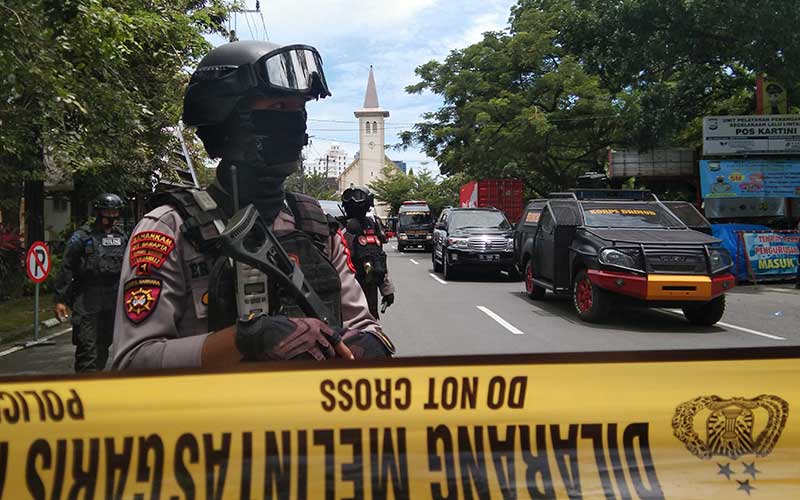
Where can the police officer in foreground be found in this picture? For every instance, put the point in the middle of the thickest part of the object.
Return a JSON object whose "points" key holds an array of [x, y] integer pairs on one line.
{"points": [[365, 239], [87, 283], [180, 295]]}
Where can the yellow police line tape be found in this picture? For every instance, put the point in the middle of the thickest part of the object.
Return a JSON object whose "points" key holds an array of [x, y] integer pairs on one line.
{"points": [[641, 425]]}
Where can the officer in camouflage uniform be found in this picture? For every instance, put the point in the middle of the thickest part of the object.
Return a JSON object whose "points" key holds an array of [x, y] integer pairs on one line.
{"points": [[179, 305], [365, 239], [87, 283]]}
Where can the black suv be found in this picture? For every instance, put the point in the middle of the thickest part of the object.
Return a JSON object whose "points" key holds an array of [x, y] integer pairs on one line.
{"points": [[608, 246], [475, 238]]}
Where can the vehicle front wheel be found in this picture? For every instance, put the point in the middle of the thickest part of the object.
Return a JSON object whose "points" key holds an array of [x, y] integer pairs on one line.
{"points": [[591, 303], [400, 248], [533, 290], [706, 314], [447, 270]]}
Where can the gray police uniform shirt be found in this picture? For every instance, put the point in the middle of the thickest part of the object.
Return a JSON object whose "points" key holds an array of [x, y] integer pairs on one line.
{"points": [[161, 319]]}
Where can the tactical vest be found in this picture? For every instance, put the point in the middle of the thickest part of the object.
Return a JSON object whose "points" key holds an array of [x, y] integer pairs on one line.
{"points": [[367, 253], [101, 264], [306, 245]]}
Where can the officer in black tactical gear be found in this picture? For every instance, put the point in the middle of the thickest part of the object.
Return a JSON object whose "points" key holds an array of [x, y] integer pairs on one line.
{"points": [[88, 280], [184, 304], [365, 240]]}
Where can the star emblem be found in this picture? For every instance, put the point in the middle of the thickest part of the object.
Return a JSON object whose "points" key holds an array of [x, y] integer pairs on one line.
{"points": [[725, 470], [745, 486], [751, 469], [140, 301]]}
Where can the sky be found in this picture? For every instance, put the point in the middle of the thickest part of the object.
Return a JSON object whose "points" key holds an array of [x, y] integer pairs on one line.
{"points": [[395, 37]]}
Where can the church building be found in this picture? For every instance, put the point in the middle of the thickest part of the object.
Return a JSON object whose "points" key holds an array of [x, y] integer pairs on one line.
{"points": [[371, 159]]}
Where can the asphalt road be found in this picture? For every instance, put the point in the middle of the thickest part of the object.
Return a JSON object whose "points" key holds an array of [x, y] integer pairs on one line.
{"points": [[489, 314]]}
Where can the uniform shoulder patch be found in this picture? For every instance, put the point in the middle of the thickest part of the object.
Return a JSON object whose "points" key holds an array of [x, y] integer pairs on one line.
{"points": [[141, 298], [149, 250]]}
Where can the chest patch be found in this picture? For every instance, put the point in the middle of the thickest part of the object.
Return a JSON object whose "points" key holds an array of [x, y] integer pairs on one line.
{"points": [[112, 241]]}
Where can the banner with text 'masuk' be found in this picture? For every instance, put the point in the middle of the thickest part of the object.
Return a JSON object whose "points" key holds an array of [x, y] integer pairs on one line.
{"points": [[626, 426]]}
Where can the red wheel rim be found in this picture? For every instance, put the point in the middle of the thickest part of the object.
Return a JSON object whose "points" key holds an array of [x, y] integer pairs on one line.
{"points": [[529, 277], [583, 295]]}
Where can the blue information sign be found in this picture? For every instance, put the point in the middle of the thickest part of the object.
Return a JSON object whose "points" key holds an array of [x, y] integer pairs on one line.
{"points": [[750, 178]]}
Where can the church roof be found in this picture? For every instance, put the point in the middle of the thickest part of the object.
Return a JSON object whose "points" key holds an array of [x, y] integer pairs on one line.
{"points": [[371, 97]]}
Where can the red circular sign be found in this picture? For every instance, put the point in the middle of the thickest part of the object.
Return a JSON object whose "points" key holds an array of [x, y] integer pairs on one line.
{"points": [[37, 262]]}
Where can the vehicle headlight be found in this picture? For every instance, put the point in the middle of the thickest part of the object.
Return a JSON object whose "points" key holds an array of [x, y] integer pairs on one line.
{"points": [[458, 242], [622, 257], [510, 245], [402, 236], [720, 259], [429, 237]]}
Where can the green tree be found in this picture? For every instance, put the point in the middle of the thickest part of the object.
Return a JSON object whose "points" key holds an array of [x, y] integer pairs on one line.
{"points": [[543, 99], [96, 86], [678, 60], [315, 184], [398, 187], [393, 189]]}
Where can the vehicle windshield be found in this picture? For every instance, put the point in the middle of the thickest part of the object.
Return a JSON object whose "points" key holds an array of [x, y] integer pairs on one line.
{"points": [[415, 218], [628, 215], [478, 219]]}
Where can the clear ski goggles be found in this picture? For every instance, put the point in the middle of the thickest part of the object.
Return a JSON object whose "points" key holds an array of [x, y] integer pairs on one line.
{"points": [[294, 69]]}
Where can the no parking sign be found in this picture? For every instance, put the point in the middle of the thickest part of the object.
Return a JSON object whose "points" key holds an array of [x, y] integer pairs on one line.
{"points": [[37, 262]]}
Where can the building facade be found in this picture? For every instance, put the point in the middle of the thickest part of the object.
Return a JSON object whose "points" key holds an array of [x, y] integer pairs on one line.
{"points": [[371, 159], [331, 164]]}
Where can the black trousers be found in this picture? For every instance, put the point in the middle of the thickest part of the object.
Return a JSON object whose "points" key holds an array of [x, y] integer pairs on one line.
{"points": [[92, 336]]}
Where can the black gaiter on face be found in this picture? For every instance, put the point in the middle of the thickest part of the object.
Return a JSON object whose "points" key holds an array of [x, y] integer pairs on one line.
{"points": [[265, 147]]}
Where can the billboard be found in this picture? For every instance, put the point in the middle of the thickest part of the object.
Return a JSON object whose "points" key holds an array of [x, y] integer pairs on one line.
{"points": [[772, 254], [750, 178], [756, 134], [662, 162], [731, 208]]}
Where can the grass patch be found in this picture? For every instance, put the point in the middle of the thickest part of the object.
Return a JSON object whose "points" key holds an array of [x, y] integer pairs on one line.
{"points": [[16, 314]]}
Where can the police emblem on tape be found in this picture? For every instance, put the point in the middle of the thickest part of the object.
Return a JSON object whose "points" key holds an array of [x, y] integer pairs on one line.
{"points": [[141, 298], [149, 249], [734, 428]]}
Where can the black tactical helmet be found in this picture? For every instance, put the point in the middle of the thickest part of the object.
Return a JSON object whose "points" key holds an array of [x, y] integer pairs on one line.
{"points": [[105, 201], [358, 197], [249, 68]]}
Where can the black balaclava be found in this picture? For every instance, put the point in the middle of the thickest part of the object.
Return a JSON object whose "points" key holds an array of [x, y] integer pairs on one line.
{"points": [[265, 146], [355, 209]]}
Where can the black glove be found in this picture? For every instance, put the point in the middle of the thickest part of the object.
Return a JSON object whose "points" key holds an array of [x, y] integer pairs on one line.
{"points": [[278, 337], [387, 301]]}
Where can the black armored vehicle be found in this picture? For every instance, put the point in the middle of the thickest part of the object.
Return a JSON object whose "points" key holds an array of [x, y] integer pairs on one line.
{"points": [[605, 247]]}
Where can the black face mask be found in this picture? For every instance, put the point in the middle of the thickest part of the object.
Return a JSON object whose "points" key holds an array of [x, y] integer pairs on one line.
{"points": [[265, 146], [267, 140], [355, 209]]}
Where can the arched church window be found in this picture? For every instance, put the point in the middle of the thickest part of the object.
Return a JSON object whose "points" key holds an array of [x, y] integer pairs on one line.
{"points": [[375, 127], [368, 129]]}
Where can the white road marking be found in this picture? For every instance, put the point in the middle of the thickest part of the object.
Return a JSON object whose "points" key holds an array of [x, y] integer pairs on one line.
{"points": [[780, 290], [733, 327], [414, 262], [440, 280], [43, 339], [505, 324]]}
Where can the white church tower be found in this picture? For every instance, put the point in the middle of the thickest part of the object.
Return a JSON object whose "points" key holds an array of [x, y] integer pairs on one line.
{"points": [[371, 138]]}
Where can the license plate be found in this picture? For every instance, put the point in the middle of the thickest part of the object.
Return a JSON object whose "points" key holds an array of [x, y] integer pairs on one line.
{"points": [[490, 256]]}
